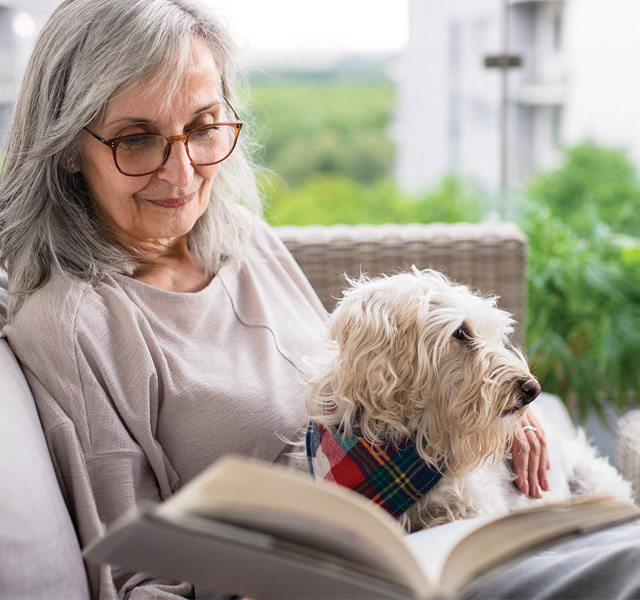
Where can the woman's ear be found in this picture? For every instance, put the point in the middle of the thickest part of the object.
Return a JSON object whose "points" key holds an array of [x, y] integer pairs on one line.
{"points": [[70, 162], [71, 166]]}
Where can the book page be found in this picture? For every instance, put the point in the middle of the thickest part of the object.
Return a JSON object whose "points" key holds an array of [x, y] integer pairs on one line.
{"points": [[327, 518], [476, 547], [292, 507], [432, 547]]}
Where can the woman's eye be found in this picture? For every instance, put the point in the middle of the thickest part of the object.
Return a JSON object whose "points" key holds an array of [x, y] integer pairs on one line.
{"points": [[203, 121], [204, 133], [135, 142], [460, 334]]}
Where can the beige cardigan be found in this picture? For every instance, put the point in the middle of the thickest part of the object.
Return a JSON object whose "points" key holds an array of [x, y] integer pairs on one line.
{"points": [[139, 389]]}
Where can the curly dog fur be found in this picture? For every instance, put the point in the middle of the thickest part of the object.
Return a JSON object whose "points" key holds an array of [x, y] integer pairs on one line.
{"points": [[417, 357]]}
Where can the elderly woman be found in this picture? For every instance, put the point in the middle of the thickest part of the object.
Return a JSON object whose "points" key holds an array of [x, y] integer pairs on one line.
{"points": [[159, 322]]}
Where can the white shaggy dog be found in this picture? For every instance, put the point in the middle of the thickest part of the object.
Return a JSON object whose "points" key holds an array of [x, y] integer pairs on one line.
{"points": [[416, 360]]}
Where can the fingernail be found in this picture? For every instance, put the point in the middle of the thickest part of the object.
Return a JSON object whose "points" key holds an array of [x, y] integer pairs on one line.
{"points": [[524, 487], [544, 484], [537, 492]]}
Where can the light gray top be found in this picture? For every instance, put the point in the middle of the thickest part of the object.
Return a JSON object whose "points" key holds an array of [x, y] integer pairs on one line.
{"points": [[139, 389]]}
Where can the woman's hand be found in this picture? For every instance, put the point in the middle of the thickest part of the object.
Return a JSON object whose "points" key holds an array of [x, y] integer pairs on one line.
{"points": [[530, 460]]}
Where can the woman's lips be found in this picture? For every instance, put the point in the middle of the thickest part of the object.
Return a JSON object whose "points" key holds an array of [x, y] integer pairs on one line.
{"points": [[172, 202]]}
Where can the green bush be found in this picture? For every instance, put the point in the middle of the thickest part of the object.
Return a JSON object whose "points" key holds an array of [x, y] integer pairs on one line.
{"points": [[335, 128], [329, 199], [583, 328], [596, 187], [454, 200]]}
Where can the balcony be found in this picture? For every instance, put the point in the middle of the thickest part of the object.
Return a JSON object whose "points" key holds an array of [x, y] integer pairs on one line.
{"points": [[536, 77]]}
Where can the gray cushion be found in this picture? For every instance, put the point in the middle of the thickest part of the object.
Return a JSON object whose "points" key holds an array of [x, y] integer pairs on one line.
{"points": [[39, 552]]}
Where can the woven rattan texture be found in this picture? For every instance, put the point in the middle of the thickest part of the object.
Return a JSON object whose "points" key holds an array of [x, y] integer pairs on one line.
{"points": [[628, 459], [490, 257]]}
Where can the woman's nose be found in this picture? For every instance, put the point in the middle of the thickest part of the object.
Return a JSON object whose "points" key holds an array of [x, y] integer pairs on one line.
{"points": [[178, 169]]}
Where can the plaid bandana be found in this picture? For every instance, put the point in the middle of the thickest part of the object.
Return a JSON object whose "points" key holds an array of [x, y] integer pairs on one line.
{"points": [[393, 478]]}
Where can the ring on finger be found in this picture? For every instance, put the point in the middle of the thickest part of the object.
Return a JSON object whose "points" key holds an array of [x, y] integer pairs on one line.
{"points": [[529, 428]]}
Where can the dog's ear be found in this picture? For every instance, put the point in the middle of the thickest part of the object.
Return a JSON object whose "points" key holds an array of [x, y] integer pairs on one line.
{"points": [[359, 324], [377, 352]]}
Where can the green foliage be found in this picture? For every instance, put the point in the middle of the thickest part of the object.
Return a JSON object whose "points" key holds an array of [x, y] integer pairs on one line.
{"points": [[454, 199], [329, 145], [583, 330], [329, 199], [313, 128], [595, 187]]}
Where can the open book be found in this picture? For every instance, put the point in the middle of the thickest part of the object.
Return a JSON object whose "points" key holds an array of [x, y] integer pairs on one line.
{"points": [[263, 531]]}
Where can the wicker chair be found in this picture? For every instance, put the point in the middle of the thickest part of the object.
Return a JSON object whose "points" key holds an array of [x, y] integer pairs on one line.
{"points": [[491, 258]]}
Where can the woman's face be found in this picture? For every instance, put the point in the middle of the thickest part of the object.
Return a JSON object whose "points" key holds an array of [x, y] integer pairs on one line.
{"points": [[156, 210]]}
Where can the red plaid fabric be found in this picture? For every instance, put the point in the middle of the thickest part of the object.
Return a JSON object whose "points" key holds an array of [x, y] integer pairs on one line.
{"points": [[392, 477]]}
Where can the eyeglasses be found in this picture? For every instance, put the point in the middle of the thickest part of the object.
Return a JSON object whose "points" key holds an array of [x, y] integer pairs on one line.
{"points": [[141, 154]]}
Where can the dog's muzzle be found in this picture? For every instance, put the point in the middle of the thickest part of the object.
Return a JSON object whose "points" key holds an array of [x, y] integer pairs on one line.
{"points": [[529, 390]]}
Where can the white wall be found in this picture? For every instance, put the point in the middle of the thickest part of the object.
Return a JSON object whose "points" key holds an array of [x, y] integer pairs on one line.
{"points": [[592, 81], [423, 80], [443, 88], [603, 44]]}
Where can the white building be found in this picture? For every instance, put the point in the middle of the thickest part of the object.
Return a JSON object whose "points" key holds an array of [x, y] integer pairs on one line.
{"points": [[20, 21], [577, 81]]}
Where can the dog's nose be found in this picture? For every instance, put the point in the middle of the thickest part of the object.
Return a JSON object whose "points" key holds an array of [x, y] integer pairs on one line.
{"points": [[530, 390]]}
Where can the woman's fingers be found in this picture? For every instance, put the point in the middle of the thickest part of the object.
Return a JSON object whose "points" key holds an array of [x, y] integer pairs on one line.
{"points": [[543, 465], [530, 458], [520, 459]]}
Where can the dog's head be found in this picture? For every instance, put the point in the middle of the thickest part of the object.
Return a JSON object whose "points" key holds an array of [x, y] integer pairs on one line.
{"points": [[416, 356]]}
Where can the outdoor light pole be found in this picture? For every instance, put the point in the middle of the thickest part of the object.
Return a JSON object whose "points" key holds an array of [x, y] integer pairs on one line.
{"points": [[504, 112], [504, 61]]}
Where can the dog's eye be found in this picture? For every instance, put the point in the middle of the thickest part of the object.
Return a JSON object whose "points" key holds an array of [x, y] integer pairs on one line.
{"points": [[460, 334]]}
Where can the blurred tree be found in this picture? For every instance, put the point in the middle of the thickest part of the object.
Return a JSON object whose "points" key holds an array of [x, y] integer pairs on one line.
{"points": [[334, 128], [595, 187], [326, 199], [454, 199], [583, 328]]}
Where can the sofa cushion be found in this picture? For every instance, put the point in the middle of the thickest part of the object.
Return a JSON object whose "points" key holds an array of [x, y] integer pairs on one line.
{"points": [[39, 552]]}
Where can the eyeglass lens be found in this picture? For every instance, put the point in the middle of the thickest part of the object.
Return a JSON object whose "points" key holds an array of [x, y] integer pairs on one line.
{"points": [[140, 154]]}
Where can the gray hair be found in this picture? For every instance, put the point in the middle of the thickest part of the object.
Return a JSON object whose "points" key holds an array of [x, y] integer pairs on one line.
{"points": [[87, 51]]}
